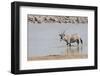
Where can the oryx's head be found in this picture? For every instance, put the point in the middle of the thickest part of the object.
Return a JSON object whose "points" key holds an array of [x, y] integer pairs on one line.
{"points": [[62, 35]]}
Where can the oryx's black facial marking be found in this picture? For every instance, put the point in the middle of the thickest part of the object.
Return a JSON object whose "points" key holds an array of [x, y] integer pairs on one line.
{"points": [[61, 36]]}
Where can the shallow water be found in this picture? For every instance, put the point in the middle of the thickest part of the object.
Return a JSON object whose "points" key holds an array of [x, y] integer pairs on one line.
{"points": [[43, 39]]}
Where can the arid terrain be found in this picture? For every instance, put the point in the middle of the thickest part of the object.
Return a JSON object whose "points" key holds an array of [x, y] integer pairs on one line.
{"points": [[56, 19]]}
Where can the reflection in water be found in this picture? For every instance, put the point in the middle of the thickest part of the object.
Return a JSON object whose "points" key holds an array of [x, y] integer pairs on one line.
{"points": [[73, 50]]}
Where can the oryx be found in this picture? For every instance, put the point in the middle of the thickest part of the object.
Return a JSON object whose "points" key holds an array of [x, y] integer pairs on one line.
{"points": [[71, 38]]}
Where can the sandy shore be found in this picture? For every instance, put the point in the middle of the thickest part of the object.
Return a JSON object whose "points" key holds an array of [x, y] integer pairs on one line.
{"points": [[59, 57]]}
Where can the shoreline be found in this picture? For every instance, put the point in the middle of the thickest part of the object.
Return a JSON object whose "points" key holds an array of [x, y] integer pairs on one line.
{"points": [[58, 57]]}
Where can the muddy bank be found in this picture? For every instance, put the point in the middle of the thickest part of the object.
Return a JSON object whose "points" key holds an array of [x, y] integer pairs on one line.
{"points": [[59, 57]]}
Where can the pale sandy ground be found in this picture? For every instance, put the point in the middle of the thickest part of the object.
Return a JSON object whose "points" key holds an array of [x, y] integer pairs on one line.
{"points": [[59, 57]]}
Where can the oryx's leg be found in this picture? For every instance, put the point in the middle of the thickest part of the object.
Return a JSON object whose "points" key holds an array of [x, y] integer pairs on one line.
{"points": [[66, 42], [77, 41], [69, 44]]}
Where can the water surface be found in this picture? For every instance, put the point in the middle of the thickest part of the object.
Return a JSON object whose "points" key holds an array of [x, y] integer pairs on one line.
{"points": [[43, 39]]}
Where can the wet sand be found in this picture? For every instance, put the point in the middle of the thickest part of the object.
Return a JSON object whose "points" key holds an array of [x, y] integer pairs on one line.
{"points": [[59, 57]]}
